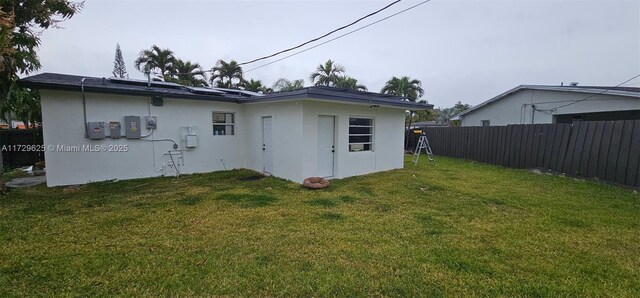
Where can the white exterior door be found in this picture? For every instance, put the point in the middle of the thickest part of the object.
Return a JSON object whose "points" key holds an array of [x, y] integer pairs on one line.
{"points": [[267, 146], [326, 145]]}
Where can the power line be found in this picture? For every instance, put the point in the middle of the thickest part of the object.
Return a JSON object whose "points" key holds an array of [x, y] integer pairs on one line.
{"points": [[593, 95], [320, 37], [338, 37]]}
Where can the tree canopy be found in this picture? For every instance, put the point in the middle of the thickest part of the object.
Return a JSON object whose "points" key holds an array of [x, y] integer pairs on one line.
{"points": [[119, 67], [327, 74], [156, 62], [21, 24], [227, 74], [405, 87], [187, 73], [349, 83], [256, 86], [22, 104], [283, 84]]}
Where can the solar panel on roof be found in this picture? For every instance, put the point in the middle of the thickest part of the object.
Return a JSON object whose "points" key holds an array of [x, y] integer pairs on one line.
{"points": [[202, 90], [144, 83], [238, 91]]}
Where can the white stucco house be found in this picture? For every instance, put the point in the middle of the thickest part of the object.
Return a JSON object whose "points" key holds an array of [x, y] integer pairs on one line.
{"points": [[98, 129], [536, 104]]}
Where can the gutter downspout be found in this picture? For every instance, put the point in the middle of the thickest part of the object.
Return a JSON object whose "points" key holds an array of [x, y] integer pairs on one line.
{"points": [[84, 108], [533, 113]]}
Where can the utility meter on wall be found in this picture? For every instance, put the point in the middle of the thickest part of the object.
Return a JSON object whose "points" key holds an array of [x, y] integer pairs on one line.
{"points": [[151, 122]]}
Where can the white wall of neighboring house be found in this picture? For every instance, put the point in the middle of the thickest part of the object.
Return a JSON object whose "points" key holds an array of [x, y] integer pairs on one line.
{"points": [[294, 138], [510, 110]]}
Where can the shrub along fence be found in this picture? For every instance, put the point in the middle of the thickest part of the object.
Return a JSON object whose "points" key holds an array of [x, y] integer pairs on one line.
{"points": [[607, 150], [16, 147]]}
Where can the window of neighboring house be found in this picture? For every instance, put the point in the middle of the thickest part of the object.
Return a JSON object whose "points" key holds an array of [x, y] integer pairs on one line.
{"points": [[486, 123], [360, 134], [223, 124]]}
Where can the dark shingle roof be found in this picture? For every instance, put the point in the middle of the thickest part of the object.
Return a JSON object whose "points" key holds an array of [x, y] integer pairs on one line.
{"points": [[56, 81], [342, 95]]}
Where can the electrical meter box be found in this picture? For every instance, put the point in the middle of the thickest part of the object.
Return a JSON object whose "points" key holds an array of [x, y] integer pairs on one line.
{"points": [[96, 130], [132, 127], [114, 129], [189, 136], [191, 141], [151, 122]]}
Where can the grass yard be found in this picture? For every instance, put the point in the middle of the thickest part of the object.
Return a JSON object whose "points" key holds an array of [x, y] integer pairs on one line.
{"points": [[459, 228]]}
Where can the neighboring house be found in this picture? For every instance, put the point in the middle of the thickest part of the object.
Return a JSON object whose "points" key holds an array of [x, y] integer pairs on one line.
{"points": [[533, 104], [142, 129]]}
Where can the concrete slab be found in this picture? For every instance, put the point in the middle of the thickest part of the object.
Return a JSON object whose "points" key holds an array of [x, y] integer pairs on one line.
{"points": [[26, 181]]}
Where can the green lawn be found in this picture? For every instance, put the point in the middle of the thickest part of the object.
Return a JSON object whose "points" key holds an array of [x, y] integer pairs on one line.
{"points": [[459, 228]]}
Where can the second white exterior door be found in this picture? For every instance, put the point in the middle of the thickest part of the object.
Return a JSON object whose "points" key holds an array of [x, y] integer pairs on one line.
{"points": [[267, 145], [326, 146]]}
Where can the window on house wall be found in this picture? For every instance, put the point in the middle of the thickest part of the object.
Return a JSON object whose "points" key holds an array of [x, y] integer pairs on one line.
{"points": [[486, 123], [360, 134], [223, 124]]}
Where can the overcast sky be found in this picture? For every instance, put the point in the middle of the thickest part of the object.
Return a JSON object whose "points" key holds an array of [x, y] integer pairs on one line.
{"points": [[460, 50]]}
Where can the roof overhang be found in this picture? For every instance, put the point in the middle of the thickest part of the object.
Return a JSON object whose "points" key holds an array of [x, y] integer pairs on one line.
{"points": [[53, 81], [64, 82], [339, 96], [105, 90]]}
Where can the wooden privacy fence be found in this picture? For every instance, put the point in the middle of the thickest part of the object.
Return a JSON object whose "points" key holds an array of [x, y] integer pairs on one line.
{"points": [[607, 150], [14, 142]]}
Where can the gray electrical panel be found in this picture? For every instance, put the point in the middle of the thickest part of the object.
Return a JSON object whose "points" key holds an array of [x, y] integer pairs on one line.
{"points": [[132, 127], [96, 130], [114, 129]]}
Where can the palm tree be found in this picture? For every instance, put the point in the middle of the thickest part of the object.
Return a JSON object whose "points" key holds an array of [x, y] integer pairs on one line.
{"points": [[409, 90], [188, 74], [283, 84], [256, 86], [157, 61], [224, 74], [350, 83], [404, 87], [445, 115], [327, 74], [252, 85]]}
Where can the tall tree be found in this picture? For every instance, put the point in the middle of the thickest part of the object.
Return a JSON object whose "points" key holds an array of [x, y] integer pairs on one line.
{"points": [[227, 74], [349, 83], [444, 115], [21, 25], [188, 74], [407, 88], [327, 74], [461, 107], [24, 105], [7, 59], [423, 115], [155, 62], [283, 84], [256, 86], [404, 87], [119, 67]]}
